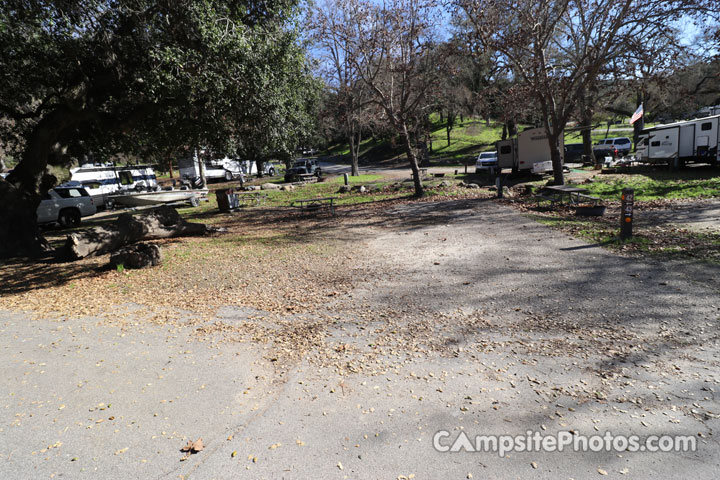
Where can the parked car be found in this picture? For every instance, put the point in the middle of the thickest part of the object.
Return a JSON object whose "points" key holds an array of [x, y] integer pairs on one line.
{"points": [[487, 162], [302, 168], [574, 152], [612, 147], [66, 204]]}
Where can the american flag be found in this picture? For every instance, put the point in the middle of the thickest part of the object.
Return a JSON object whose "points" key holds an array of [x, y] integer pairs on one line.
{"points": [[636, 116]]}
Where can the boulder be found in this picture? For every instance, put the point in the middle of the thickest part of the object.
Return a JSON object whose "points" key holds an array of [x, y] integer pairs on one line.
{"points": [[287, 187], [471, 185], [140, 255], [344, 189]]}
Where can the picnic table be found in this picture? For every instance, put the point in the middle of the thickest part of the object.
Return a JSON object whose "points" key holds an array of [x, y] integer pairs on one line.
{"points": [[314, 204], [250, 198], [557, 193]]}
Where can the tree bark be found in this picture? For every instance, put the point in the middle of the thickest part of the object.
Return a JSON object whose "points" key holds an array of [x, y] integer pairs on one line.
{"points": [[354, 152], [170, 165], [20, 195], [419, 190], [555, 155], [163, 222]]}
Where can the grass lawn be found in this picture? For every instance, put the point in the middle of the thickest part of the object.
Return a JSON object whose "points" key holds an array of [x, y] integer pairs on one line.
{"points": [[690, 183]]}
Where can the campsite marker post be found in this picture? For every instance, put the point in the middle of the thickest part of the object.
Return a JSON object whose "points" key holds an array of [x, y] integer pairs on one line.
{"points": [[626, 212]]}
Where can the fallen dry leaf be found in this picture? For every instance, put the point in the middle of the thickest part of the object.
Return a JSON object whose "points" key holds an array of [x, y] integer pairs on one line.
{"points": [[193, 447]]}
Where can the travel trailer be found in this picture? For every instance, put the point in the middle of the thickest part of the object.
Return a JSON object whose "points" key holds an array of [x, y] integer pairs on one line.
{"points": [[224, 169], [103, 180], [529, 151], [681, 142], [220, 169]]}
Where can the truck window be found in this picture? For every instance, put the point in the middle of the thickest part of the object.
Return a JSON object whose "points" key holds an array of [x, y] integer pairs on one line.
{"points": [[706, 126]]}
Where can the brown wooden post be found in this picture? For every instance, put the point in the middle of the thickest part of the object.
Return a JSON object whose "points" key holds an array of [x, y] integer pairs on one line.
{"points": [[626, 212]]}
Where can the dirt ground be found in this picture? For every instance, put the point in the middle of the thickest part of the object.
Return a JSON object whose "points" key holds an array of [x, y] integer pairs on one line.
{"points": [[337, 347]]}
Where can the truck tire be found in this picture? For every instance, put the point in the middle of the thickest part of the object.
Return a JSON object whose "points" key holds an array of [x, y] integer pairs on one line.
{"points": [[69, 217], [228, 176], [271, 172]]}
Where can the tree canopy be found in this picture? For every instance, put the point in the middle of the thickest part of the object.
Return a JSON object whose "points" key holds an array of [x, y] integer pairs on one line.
{"points": [[137, 76]]}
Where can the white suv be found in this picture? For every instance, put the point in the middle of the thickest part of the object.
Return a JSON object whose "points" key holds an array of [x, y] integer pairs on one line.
{"points": [[66, 204]]}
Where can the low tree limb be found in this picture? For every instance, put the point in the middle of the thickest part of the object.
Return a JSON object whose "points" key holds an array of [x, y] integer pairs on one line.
{"points": [[162, 222]]}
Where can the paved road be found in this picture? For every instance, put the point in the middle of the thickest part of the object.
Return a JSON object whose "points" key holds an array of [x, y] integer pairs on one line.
{"points": [[478, 320]]}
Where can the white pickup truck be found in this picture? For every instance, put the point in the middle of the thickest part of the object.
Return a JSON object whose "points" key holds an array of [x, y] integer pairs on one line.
{"points": [[65, 204]]}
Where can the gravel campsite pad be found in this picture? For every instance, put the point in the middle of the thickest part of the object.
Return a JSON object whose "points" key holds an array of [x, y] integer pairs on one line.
{"points": [[337, 347]]}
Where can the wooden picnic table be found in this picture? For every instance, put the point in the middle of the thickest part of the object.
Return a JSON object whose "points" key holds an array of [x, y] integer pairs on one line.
{"points": [[253, 197], [575, 195], [312, 204]]}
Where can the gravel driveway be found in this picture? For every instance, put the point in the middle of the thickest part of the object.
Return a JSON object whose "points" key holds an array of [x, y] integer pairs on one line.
{"points": [[469, 318]]}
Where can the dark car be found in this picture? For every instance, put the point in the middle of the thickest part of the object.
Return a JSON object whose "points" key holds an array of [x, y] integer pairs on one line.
{"points": [[302, 169], [574, 152]]}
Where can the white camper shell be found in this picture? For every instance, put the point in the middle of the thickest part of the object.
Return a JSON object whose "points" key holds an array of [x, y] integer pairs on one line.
{"points": [[103, 180], [681, 142], [530, 151]]}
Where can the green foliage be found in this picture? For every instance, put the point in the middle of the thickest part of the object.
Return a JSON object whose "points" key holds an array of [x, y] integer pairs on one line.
{"points": [[145, 77]]}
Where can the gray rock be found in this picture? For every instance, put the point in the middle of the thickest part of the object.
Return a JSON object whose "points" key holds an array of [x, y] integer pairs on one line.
{"points": [[344, 189], [270, 186], [287, 187], [444, 184], [472, 185], [140, 255]]}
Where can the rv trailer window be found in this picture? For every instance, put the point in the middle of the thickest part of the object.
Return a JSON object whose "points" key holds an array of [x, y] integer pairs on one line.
{"points": [[126, 178], [505, 149], [706, 126], [655, 143]]}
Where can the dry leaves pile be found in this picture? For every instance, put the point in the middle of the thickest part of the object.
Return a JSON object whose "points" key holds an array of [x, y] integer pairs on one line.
{"points": [[278, 268]]}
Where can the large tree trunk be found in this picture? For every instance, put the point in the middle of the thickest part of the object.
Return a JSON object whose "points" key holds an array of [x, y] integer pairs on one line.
{"points": [[586, 113], [559, 178], [419, 190], [163, 222], [20, 195], [354, 152], [19, 233]]}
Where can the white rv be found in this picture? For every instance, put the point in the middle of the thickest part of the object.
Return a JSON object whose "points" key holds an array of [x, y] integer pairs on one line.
{"points": [[220, 169], [530, 151], [681, 142], [103, 180]]}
